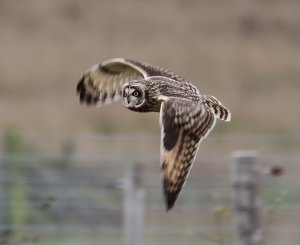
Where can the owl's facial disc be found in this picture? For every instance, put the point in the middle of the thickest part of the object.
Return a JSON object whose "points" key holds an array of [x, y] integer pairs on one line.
{"points": [[133, 96]]}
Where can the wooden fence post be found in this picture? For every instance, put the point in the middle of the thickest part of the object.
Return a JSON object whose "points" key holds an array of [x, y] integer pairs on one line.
{"points": [[246, 185], [133, 207]]}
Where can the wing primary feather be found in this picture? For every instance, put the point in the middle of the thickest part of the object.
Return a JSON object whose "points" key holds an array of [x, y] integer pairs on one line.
{"points": [[81, 89]]}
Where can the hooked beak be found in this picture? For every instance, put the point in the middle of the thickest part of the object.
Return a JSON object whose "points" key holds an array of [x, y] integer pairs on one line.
{"points": [[128, 103]]}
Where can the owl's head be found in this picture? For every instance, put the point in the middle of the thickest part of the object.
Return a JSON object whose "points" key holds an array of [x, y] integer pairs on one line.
{"points": [[133, 95]]}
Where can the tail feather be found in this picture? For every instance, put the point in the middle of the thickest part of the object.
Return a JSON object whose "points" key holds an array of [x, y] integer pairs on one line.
{"points": [[218, 109]]}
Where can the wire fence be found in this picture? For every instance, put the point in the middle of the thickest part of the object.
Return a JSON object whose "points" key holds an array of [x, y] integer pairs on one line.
{"points": [[72, 190]]}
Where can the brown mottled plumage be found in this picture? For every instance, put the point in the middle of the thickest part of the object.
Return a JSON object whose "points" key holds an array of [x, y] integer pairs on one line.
{"points": [[186, 116]]}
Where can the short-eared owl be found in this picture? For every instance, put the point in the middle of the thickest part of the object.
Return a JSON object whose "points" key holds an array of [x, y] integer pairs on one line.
{"points": [[186, 116]]}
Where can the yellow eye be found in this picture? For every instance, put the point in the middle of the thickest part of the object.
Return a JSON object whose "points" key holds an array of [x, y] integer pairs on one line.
{"points": [[125, 94], [136, 93]]}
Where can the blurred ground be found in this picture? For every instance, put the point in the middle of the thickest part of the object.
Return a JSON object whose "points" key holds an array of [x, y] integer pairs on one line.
{"points": [[247, 53], [59, 190]]}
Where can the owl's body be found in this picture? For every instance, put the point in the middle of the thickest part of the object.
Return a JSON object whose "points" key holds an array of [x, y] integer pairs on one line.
{"points": [[186, 116], [157, 87]]}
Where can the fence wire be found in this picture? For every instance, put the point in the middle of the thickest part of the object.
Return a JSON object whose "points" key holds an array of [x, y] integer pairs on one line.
{"points": [[61, 190]]}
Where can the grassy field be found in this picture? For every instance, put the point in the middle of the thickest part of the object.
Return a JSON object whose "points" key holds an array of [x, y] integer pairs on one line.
{"points": [[245, 53]]}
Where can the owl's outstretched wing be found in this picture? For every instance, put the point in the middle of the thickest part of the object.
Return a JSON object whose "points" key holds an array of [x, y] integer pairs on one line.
{"points": [[184, 124], [102, 83]]}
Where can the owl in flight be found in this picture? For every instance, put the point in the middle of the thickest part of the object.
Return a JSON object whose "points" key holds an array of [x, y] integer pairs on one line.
{"points": [[186, 116]]}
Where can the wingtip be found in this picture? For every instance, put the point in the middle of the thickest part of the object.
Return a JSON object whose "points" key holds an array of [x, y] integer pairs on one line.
{"points": [[170, 201], [81, 90], [85, 96], [169, 207], [79, 86]]}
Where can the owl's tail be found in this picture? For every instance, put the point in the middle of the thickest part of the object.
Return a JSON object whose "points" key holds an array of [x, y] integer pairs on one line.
{"points": [[219, 110]]}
